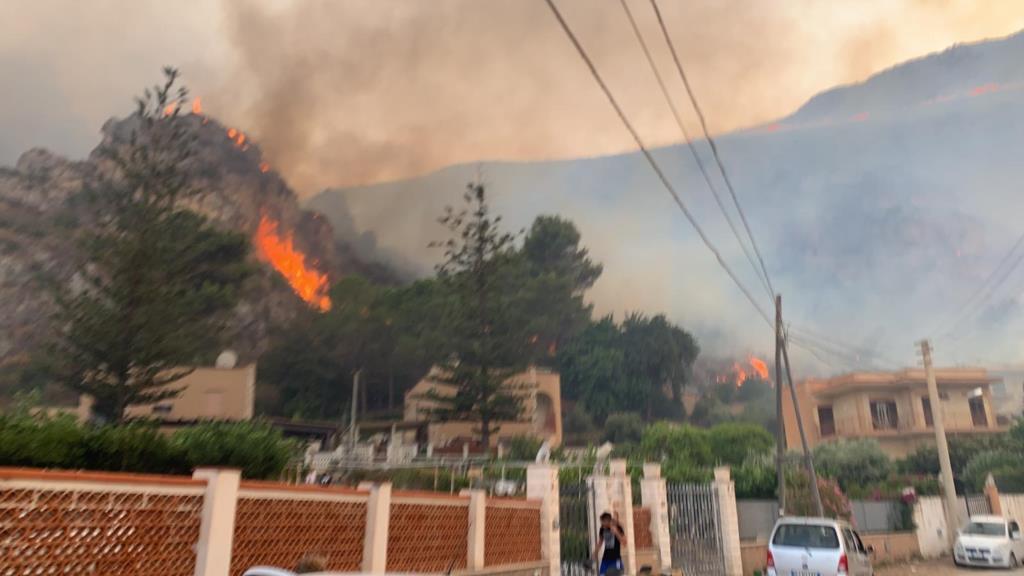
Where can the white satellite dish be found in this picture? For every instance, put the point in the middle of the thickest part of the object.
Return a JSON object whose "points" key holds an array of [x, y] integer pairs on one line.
{"points": [[227, 360]]}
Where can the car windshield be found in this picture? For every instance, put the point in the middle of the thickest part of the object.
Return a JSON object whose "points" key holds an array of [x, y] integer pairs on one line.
{"points": [[985, 529], [806, 536]]}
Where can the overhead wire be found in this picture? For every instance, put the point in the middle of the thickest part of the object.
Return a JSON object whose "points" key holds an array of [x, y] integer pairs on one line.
{"points": [[985, 290], [710, 140], [654, 164], [693, 148]]}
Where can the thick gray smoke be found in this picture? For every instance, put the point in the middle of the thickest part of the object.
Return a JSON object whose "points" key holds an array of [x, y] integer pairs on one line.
{"points": [[361, 91], [880, 208]]}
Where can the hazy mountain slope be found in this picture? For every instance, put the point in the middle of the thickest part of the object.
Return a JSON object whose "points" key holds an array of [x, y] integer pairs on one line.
{"points": [[878, 208]]}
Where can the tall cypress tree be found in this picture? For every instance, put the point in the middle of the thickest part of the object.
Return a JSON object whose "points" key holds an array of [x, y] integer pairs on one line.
{"points": [[157, 280], [485, 322]]}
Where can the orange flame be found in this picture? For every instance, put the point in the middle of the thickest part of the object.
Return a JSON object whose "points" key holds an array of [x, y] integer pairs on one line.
{"points": [[310, 284], [759, 367], [741, 374], [197, 107], [232, 133], [170, 108], [264, 167], [241, 139]]}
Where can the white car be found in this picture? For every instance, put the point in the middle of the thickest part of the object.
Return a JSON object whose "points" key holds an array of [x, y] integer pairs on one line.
{"points": [[817, 547], [989, 541]]}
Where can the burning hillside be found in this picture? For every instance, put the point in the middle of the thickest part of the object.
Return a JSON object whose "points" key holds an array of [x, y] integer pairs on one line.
{"points": [[240, 192]]}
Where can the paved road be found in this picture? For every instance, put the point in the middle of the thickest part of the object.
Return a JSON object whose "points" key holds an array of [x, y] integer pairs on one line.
{"points": [[942, 568]]}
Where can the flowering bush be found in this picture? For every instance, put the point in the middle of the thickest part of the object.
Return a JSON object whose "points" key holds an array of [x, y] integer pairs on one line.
{"points": [[800, 500]]}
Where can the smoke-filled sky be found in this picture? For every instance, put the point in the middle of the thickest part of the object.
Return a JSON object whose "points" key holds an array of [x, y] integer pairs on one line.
{"points": [[358, 91]]}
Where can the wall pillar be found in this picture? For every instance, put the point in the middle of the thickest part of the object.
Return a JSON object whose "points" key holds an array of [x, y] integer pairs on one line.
{"points": [[477, 529], [217, 528], [992, 495], [378, 522], [542, 485], [730, 523], [654, 495], [622, 506]]}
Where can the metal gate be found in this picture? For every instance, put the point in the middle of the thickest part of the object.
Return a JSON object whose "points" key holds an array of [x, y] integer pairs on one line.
{"points": [[695, 529], [978, 505], [575, 511]]}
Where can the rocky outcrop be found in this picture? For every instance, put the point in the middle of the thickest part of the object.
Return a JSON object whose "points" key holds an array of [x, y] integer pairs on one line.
{"points": [[41, 218]]}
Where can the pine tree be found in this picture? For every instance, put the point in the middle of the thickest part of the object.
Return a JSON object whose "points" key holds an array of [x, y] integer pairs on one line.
{"points": [[157, 280], [486, 323]]}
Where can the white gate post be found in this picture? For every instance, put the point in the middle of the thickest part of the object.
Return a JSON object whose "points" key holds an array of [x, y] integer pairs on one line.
{"points": [[654, 494], [730, 523], [217, 528], [622, 503], [378, 524], [542, 485], [477, 529]]}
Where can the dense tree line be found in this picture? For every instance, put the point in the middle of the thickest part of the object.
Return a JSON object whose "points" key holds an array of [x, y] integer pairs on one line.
{"points": [[499, 302]]}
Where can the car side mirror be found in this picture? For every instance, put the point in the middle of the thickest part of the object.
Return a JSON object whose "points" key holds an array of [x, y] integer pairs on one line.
{"points": [[870, 549]]}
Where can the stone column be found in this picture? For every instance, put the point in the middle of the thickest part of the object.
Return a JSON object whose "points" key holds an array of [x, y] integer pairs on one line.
{"points": [[477, 529], [730, 523], [654, 495], [992, 495], [542, 485], [622, 505], [217, 528], [378, 523]]}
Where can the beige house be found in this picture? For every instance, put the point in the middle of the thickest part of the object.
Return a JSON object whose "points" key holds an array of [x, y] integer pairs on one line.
{"points": [[892, 407], [223, 394], [542, 410]]}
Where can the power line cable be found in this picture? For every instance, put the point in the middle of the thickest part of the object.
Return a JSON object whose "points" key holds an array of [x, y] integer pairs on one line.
{"points": [[654, 165], [711, 141], [986, 288], [693, 148]]}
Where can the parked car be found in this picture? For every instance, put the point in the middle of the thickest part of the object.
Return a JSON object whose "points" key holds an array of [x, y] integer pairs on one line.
{"points": [[989, 541], [817, 547]]}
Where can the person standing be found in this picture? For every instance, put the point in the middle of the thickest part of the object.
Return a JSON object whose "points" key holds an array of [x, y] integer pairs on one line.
{"points": [[610, 540]]}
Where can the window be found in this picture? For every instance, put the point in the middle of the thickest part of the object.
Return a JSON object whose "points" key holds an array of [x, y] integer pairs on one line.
{"points": [[1014, 530], [926, 405], [826, 421], [853, 543], [978, 416], [883, 415], [806, 536], [162, 409]]}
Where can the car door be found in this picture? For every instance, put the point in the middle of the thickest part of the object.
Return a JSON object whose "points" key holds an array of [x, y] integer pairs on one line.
{"points": [[857, 555], [1016, 540]]}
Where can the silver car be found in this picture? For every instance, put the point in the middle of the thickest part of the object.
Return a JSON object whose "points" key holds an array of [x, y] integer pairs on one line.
{"points": [[817, 547]]}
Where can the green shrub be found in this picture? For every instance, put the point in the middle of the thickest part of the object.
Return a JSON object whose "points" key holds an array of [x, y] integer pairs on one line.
{"points": [[755, 478], [733, 442], [41, 442], [521, 448], [254, 447], [622, 428], [132, 448], [985, 463], [852, 462]]}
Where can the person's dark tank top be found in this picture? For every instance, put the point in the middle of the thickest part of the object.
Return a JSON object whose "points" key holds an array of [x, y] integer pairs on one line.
{"points": [[610, 541]]}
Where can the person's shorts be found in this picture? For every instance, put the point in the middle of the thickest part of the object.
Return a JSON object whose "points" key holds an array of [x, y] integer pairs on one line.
{"points": [[610, 564]]}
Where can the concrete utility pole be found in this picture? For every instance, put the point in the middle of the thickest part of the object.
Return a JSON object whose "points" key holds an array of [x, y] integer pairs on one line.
{"points": [[355, 397], [953, 520], [808, 455], [780, 428]]}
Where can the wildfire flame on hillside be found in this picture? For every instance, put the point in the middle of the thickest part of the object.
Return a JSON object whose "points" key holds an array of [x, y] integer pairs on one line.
{"points": [[197, 107], [740, 373], [310, 284]]}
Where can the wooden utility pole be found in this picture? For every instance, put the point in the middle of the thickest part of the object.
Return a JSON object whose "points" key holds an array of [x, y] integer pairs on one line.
{"points": [[780, 428], [953, 520], [808, 455]]}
